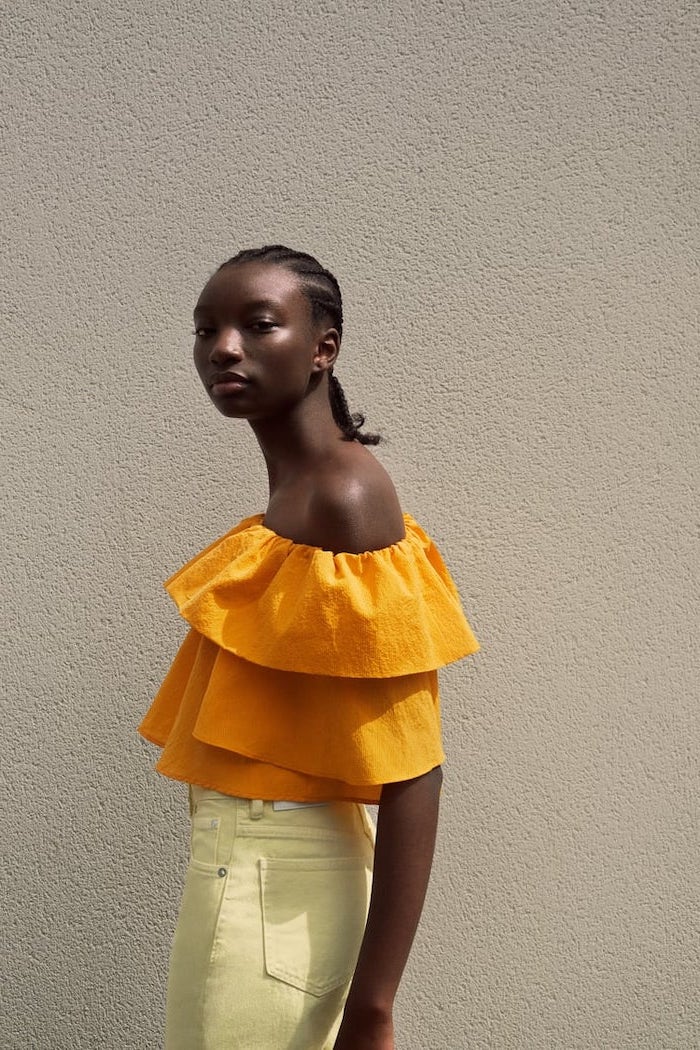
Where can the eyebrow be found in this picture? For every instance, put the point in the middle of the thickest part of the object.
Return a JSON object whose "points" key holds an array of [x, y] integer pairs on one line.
{"points": [[256, 304]]}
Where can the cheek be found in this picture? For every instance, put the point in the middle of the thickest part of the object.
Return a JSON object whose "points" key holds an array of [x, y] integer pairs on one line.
{"points": [[199, 356]]}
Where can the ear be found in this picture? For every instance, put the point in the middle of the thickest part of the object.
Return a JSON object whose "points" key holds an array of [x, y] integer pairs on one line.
{"points": [[327, 350]]}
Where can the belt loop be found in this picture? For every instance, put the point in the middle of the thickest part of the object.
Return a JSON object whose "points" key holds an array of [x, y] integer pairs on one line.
{"points": [[256, 808]]}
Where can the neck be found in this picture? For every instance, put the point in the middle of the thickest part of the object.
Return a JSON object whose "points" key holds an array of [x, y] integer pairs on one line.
{"points": [[295, 443]]}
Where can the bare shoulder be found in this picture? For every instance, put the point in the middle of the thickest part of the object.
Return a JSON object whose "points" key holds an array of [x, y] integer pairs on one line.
{"points": [[354, 507]]}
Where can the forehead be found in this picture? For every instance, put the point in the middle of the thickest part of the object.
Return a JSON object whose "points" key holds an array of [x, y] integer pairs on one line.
{"points": [[242, 285]]}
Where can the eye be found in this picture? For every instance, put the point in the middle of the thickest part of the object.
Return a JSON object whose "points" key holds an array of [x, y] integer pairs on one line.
{"points": [[201, 331], [264, 325]]}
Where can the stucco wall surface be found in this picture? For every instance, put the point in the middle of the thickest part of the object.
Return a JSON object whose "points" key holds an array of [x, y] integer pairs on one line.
{"points": [[508, 194]]}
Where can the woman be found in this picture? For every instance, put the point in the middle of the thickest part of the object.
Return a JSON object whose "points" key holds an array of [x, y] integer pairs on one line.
{"points": [[306, 686]]}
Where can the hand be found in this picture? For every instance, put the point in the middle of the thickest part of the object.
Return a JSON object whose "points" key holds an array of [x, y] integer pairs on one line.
{"points": [[374, 1034]]}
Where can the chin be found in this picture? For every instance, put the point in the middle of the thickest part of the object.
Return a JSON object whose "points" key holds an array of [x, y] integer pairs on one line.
{"points": [[229, 407], [231, 412]]}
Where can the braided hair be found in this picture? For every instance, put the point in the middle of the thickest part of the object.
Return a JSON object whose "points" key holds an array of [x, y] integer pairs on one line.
{"points": [[323, 292]]}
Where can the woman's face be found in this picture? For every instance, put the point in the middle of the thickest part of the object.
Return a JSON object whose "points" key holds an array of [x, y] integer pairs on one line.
{"points": [[257, 349]]}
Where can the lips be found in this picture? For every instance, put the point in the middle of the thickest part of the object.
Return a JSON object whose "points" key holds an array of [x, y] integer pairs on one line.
{"points": [[224, 383]]}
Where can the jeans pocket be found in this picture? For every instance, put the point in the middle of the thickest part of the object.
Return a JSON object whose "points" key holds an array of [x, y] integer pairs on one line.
{"points": [[314, 912]]}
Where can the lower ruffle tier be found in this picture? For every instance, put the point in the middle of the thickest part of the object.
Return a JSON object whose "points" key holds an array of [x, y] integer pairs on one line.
{"points": [[244, 729]]}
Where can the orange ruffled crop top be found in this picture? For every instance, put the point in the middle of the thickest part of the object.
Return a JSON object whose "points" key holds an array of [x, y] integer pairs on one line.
{"points": [[307, 675]]}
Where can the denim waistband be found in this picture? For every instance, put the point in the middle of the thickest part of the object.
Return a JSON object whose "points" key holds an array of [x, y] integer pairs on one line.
{"points": [[256, 805]]}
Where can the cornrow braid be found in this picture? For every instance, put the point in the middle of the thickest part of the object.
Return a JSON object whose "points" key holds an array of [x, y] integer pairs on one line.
{"points": [[350, 423], [323, 292]]}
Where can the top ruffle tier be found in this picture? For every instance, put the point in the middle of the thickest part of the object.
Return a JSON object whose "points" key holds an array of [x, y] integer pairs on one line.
{"points": [[291, 607]]}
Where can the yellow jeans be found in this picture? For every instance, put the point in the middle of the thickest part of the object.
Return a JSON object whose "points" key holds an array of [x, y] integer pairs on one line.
{"points": [[271, 921]]}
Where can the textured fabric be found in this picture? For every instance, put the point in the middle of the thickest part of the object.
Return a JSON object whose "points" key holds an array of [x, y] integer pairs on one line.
{"points": [[307, 675], [270, 925], [284, 605]]}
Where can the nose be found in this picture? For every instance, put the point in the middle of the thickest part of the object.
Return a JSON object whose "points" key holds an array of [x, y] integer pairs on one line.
{"points": [[226, 347]]}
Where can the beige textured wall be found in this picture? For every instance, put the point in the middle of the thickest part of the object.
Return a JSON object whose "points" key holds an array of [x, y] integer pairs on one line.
{"points": [[508, 192]]}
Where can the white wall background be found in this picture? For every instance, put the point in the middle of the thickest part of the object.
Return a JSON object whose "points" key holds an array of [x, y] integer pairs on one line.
{"points": [[508, 193]]}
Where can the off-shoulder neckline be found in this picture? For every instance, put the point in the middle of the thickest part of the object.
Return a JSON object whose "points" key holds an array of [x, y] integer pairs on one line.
{"points": [[258, 521]]}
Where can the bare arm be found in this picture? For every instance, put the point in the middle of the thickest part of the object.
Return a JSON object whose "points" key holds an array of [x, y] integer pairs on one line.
{"points": [[354, 512], [406, 829]]}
